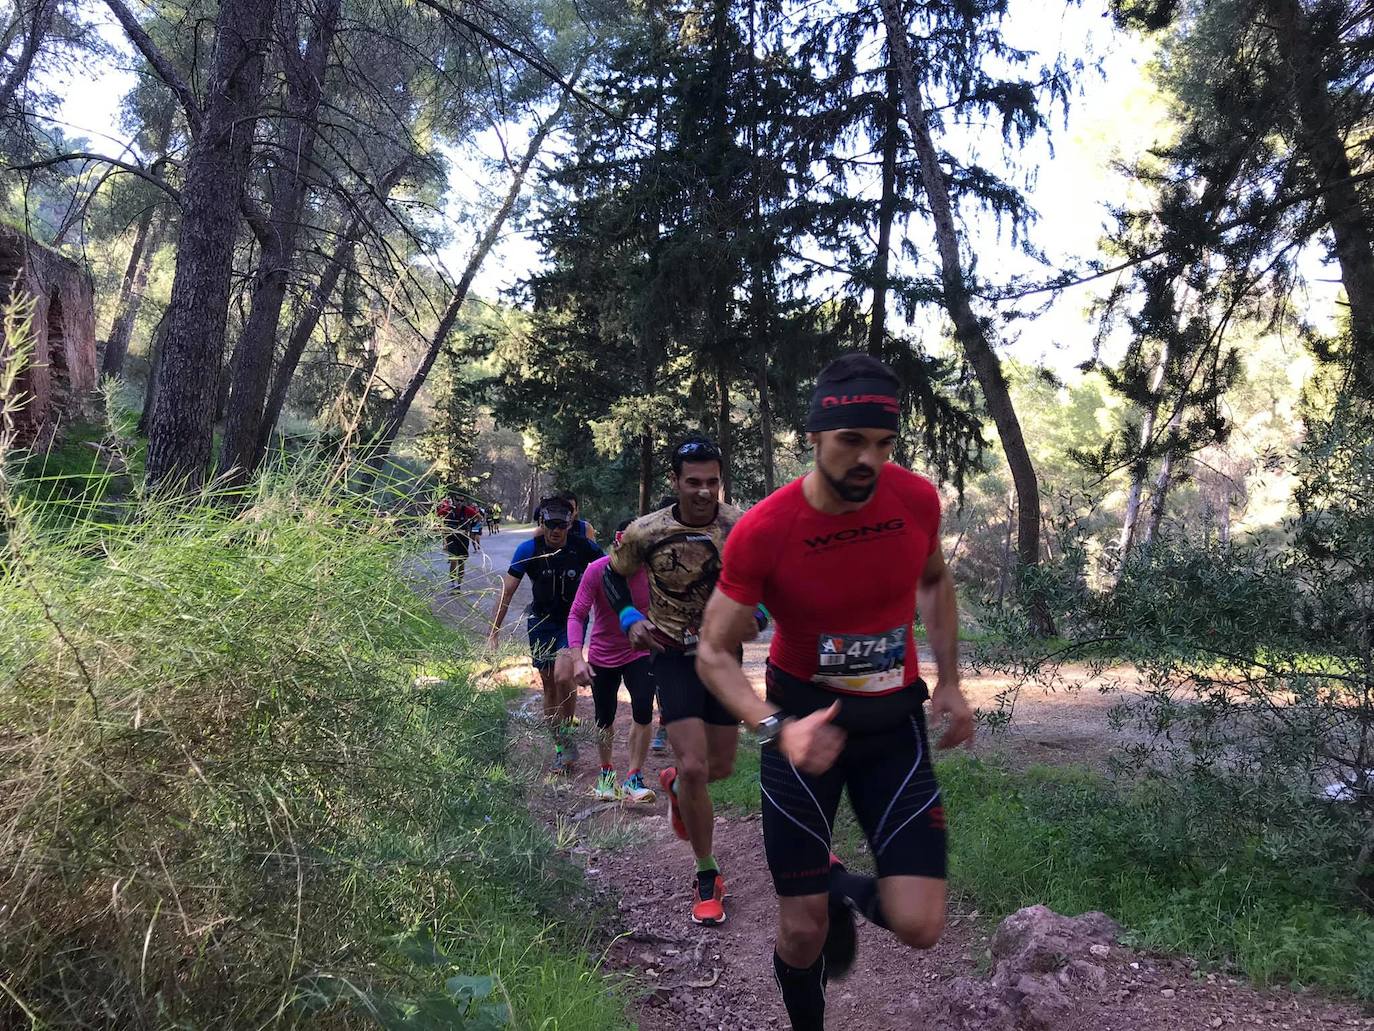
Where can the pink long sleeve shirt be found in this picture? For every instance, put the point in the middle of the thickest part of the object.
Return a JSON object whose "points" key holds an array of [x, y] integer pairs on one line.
{"points": [[609, 645]]}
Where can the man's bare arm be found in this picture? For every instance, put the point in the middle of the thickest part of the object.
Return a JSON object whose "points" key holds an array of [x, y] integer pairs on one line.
{"points": [[725, 626], [811, 743], [509, 585], [940, 613]]}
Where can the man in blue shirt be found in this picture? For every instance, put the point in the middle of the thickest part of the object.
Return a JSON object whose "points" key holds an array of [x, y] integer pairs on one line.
{"points": [[580, 526], [554, 562]]}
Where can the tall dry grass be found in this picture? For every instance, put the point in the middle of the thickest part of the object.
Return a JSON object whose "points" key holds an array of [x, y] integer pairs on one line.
{"points": [[224, 800]]}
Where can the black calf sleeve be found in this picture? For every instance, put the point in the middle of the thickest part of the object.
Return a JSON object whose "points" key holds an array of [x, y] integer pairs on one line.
{"points": [[639, 681], [861, 892], [803, 993]]}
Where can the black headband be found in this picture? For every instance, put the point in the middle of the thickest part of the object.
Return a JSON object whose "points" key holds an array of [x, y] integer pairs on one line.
{"points": [[855, 404]]}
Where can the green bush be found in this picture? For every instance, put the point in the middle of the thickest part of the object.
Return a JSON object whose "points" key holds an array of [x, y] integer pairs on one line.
{"points": [[1249, 717], [1067, 838], [1070, 840], [227, 801]]}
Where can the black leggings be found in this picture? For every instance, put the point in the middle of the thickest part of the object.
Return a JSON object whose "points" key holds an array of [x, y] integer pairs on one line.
{"points": [[639, 681]]}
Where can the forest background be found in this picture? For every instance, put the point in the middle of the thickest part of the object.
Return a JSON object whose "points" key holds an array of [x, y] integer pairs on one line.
{"points": [[359, 251]]}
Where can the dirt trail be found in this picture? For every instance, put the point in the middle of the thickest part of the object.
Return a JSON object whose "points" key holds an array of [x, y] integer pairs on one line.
{"points": [[695, 978], [691, 978]]}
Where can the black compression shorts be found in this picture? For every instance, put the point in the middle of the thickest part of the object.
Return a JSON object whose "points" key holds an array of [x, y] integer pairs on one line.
{"points": [[682, 695], [639, 681], [457, 544], [894, 794]]}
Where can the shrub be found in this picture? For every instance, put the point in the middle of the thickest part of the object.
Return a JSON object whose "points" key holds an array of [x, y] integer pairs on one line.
{"points": [[1253, 725]]}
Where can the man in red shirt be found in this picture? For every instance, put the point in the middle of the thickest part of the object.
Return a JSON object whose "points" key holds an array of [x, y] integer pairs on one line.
{"points": [[458, 516], [842, 559]]}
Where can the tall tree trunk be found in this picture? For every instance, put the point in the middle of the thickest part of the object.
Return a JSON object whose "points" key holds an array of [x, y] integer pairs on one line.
{"points": [[309, 319], [380, 447], [760, 284], [887, 211], [532, 493], [221, 393], [646, 435], [1141, 469], [188, 373], [723, 430], [1163, 481], [1320, 137], [1131, 517], [41, 22], [251, 367], [770, 476], [969, 330], [145, 417], [1224, 516], [1006, 551], [147, 240], [646, 472]]}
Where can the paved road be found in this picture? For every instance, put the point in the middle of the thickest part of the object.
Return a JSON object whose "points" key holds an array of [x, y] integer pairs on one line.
{"points": [[471, 607]]}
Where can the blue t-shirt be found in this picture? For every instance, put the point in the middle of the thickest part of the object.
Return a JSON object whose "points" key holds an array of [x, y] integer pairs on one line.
{"points": [[553, 572]]}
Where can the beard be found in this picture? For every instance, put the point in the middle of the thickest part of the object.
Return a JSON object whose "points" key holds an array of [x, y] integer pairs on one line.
{"points": [[853, 491]]}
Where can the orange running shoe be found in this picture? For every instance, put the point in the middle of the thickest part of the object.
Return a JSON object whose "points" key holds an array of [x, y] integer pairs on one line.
{"points": [[666, 777], [708, 910]]}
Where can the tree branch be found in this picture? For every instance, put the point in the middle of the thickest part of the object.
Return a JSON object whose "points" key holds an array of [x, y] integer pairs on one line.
{"points": [[1065, 282], [155, 57], [81, 155], [536, 61]]}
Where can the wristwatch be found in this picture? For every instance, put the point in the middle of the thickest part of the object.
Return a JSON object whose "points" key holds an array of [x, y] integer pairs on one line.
{"points": [[770, 727]]}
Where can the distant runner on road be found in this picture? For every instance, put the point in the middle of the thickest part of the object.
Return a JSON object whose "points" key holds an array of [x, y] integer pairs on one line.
{"points": [[477, 523], [555, 564], [680, 547], [610, 659], [842, 559], [458, 515]]}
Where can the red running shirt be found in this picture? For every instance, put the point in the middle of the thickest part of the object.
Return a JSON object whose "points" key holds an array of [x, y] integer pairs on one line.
{"points": [[841, 588]]}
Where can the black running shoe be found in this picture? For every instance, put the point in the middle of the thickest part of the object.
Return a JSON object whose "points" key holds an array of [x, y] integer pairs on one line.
{"points": [[841, 944]]}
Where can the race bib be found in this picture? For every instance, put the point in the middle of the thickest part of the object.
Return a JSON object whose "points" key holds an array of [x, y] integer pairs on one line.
{"points": [[862, 663], [687, 645]]}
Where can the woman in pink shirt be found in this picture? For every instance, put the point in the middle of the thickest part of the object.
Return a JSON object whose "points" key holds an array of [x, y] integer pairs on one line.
{"points": [[612, 660]]}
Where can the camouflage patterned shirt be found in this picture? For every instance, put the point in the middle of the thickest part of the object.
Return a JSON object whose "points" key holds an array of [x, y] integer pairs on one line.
{"points": [[683, 563]]}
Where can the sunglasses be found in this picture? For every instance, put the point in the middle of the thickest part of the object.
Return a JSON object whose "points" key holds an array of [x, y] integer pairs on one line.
{"points": [[557, 524], [698, 449]]}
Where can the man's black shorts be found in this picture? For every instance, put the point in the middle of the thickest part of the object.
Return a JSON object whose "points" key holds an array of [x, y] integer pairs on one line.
{"points": [[892, 790], [457, 544], [682, 695]]}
